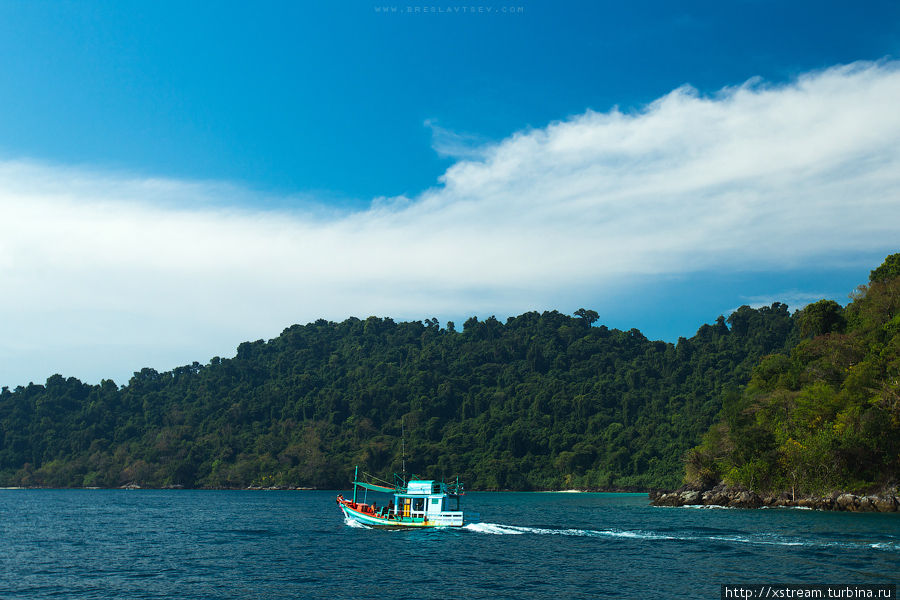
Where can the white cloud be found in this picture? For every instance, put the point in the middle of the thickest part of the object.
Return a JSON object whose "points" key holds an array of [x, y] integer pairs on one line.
{"points": [[754, 177]]}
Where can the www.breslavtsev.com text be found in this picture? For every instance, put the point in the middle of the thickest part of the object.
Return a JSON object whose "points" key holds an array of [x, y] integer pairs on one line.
{"points": [[471, 10]]}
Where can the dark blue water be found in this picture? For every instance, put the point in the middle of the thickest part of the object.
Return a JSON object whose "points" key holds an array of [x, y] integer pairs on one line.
{"points": [[276, 545]]}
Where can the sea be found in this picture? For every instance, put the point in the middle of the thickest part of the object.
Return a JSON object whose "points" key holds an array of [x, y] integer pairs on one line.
{"points": [[273, 545]]}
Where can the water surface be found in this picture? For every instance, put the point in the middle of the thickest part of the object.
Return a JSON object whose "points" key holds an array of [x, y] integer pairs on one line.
{"points": [[138, 544]]}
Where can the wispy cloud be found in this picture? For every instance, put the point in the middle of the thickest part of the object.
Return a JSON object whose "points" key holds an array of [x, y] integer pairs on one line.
{"points": [[456, 145], [754, 177]]}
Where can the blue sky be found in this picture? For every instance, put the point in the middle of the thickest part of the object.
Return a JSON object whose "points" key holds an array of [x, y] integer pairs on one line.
{"points": [[177, 178]]}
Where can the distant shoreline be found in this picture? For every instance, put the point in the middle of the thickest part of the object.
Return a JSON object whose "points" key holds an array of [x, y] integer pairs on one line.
{"points": [[308, 489]]}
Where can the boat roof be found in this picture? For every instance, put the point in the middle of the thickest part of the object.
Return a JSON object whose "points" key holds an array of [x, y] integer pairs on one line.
{"points": [[376, 488], [424, 486], [414, 487]]}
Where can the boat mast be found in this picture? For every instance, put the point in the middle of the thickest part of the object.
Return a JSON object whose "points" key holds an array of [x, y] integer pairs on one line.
{"points": [[355, 479], [403, 449]]}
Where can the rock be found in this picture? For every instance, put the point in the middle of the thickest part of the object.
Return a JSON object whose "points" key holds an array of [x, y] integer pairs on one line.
{"points": [[670, 499], [808, 502], [716, 497], [745, 499], [740, 497], [886, 504], [782, 500], [846, 502], [662, 500], [866, 504], [690, 497]]}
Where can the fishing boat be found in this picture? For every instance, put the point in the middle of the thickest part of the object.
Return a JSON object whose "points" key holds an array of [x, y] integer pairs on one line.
{"points": [[413, 503]]}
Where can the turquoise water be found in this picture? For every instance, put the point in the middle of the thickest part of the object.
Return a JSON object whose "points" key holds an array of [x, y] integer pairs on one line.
{"points": [[277, 545]]}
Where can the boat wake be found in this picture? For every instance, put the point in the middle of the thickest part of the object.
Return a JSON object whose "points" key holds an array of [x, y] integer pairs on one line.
{"points": [[756, 539], [498, 529]]}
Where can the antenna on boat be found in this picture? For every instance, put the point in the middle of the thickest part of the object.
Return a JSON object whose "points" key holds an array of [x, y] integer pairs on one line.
{"points": [[403, 449]]}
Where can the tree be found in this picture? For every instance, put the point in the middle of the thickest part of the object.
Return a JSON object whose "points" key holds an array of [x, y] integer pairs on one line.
{"points": [[819, 318], [889, 269], [588, 317]]}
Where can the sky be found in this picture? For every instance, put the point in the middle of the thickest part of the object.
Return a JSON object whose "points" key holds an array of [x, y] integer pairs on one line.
{"points": [[179, 177]]}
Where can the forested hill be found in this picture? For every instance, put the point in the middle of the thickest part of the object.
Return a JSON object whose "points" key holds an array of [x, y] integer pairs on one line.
{"points": [[825, 416], [542, 401]]}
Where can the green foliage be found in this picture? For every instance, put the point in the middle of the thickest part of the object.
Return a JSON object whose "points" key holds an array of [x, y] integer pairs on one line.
{"points": [[589, 317], [889, 269], [824, 416], [542, 401], [819, 318]]}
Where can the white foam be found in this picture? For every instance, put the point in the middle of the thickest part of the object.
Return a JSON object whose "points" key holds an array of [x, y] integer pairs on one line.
{"points": [[354, 523], [493, 529], [754, 539], [640, 535], [885, 546], [498, 529]]}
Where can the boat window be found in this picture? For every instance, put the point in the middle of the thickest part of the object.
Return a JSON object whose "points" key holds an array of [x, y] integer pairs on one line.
{"points": [[419, 504]]}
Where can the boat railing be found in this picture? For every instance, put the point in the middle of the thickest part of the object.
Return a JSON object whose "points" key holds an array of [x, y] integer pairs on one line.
{"points": [[448, 514]]}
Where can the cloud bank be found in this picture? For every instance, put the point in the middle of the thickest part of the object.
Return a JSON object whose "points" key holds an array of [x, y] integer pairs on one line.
{"points": [[112, 273]]}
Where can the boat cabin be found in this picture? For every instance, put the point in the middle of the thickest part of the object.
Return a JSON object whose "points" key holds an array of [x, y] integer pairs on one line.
{"points": [[425, 499]]}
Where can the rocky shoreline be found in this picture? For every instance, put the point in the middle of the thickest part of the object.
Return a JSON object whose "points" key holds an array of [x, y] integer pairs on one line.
{"points": [[740, 497]]}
